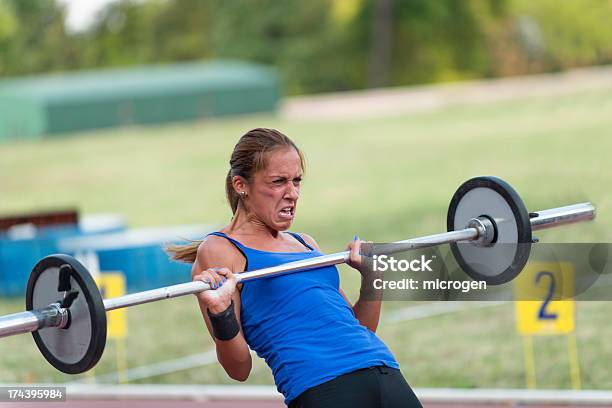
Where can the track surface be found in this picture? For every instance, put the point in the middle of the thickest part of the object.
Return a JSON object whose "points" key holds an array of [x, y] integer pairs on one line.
{"points": [[178, 403], [266, 396]]}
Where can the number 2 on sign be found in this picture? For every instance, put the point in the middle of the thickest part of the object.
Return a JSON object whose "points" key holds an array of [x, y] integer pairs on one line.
{"points": [[543, 314]]}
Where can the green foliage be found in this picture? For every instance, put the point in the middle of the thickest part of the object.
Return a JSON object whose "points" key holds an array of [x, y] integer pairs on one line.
{"points": [[8, 30], [8, 21], [130, 33], [435, 40], [292, 35], [39, 41], [573, 32], [298, 37], [318, 45]]}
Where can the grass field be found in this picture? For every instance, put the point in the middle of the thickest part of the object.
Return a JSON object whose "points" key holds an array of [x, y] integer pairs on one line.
{"points": [[384, 179]]}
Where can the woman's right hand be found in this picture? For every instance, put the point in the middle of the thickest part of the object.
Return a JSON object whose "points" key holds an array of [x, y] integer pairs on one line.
{"points": [[223, 286]]}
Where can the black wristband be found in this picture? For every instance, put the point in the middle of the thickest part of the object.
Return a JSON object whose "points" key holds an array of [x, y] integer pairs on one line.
{"points": [[225, 325]]}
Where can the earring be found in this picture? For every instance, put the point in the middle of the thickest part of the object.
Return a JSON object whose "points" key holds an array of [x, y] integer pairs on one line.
{"points": [[243, 193]]}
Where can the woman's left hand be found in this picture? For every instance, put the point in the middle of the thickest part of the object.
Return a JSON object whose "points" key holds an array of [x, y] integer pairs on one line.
{"points": [[368, 274], [354, 247], [356, 259]]}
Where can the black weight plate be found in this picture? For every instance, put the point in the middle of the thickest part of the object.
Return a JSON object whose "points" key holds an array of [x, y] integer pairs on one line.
{"points": [[506, 257], [78, 348]]}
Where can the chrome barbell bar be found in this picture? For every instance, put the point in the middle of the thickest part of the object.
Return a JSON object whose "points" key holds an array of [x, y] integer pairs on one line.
{"points": [[54, 316]]}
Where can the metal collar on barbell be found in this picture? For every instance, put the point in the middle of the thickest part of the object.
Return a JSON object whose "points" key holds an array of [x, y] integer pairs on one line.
{"points": [[487, 234], [62, 316]]}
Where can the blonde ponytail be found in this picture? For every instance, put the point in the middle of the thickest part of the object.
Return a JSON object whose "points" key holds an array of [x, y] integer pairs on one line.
{"points": [[184, 253]]}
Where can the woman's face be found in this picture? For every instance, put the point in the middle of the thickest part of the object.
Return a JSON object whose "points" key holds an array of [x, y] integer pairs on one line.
{"points": [[274, 191]]}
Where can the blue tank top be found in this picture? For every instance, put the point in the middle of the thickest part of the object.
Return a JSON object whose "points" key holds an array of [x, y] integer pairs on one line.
{"points": [[301, 325]]}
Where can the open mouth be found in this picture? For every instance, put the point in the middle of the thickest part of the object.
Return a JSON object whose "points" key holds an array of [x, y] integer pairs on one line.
{"points": [[287, 212]]}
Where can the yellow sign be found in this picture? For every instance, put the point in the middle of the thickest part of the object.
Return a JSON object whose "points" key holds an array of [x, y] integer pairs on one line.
{"points": [[112, 285], [550, 308]]}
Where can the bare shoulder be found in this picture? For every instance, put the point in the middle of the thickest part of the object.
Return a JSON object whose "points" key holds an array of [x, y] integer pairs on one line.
{"points": [[218, 252], [309, 240]]}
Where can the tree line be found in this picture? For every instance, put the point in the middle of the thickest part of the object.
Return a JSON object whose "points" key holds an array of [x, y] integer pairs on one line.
{"points": [[317, 45]]}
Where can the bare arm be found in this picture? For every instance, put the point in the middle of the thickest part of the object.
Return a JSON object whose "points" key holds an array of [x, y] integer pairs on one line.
{"points": [[234, 354], [367, 308]]}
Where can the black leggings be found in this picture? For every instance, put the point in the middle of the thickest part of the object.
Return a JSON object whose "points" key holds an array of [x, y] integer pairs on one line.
{"points": [[374, 387]]}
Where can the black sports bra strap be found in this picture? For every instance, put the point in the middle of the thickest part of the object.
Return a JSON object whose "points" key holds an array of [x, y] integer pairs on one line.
{"points": [[299, 238]]}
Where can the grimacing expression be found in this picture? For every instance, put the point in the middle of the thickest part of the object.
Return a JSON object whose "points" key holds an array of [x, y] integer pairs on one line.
{"points": [[274, 191]]}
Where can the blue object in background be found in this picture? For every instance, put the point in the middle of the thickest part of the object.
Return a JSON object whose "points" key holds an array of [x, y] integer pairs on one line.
{"points": [[137, 253], [22, 247], [145, 267], [102, 243]]}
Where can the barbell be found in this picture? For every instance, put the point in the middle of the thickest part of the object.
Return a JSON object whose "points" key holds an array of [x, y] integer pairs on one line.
{"points": [[488, 228]]}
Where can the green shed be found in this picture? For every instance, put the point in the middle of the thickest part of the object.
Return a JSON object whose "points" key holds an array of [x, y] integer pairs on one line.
{"points": [[31, 107]]}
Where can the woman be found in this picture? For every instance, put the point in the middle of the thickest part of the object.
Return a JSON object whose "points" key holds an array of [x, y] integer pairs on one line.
{"points": [[322, 350]]}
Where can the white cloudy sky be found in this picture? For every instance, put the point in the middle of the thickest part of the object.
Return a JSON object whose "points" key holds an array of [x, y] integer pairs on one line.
{"points": [[81, 13]]}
